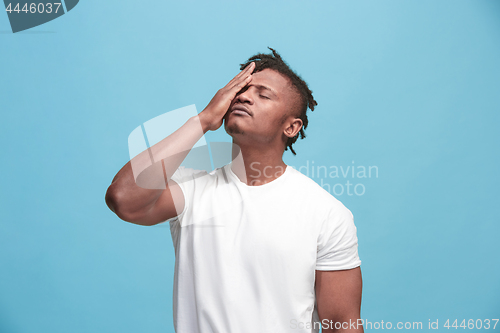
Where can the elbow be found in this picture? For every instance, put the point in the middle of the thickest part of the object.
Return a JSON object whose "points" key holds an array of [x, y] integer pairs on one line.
{"points": [[110, 198], [114, 203]]}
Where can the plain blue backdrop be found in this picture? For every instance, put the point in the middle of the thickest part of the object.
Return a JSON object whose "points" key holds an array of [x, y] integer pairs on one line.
{"points": [[411, 87]]}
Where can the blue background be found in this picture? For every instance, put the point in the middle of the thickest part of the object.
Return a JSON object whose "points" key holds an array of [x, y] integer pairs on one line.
{"points": [[411, 87]]}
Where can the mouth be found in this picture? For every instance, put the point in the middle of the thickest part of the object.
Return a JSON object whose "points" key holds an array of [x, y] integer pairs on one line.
{"points": [[240, 110]]}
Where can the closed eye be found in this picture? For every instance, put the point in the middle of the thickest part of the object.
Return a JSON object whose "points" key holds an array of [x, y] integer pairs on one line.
{"points": [[264, 96]]}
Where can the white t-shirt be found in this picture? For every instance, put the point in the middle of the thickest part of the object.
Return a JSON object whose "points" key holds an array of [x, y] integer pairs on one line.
{"points": [[245, 256]]}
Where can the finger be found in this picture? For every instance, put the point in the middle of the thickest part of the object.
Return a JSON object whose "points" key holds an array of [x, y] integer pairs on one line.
{"points": [[244, 72], [245, 75], [241, 74], [240, 84]]}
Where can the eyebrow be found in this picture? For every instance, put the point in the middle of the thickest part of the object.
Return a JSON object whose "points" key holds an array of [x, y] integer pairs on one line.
{"points": [[261, 87]]}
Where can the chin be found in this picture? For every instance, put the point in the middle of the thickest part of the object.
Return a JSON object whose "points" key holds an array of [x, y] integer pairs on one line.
{"points": [[233, 129]]}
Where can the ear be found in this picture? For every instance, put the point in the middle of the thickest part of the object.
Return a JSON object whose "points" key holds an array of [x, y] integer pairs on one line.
{"points": [[293, 127]]}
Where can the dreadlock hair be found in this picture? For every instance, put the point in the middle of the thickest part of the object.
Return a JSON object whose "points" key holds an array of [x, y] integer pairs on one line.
{"points": [[275, 62]]}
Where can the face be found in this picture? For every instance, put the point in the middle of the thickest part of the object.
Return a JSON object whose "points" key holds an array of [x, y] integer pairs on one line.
{"points": [[262, 111]]}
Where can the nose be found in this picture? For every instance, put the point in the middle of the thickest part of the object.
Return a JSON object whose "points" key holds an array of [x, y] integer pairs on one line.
{"points": [[244, 96]]}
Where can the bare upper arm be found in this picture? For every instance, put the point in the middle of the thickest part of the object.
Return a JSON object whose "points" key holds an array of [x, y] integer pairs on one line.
{"points": [[338, 295]]}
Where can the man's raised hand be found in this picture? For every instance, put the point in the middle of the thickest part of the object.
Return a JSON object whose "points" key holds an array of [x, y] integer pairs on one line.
{"points": [[212, 116]]}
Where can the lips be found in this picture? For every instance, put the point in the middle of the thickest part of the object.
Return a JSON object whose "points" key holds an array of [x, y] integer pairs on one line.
{"points": [[240, 109]]}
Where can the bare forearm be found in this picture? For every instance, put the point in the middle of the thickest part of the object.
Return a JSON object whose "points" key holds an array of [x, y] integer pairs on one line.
{"points": [[140, 182]]}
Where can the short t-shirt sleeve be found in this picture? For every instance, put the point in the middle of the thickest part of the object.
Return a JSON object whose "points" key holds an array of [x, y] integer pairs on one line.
{"points": [[338, 241], [185, 178]]}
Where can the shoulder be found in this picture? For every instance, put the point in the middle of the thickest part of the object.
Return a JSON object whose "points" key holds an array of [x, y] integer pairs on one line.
{"points": [[318, 196], [184, 174]]}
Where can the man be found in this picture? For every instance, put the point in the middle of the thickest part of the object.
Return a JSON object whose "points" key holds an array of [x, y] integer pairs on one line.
{"points": [[259, 246]]}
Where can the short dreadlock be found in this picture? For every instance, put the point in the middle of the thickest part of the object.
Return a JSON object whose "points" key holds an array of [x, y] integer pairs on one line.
{"points": [[275, 62]]}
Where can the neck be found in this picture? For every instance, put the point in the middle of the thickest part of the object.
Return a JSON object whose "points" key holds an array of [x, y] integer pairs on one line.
{"points": [[257, 165]]}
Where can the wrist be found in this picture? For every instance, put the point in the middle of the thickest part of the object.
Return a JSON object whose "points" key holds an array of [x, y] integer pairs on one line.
{"points": [[205, 121]]}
